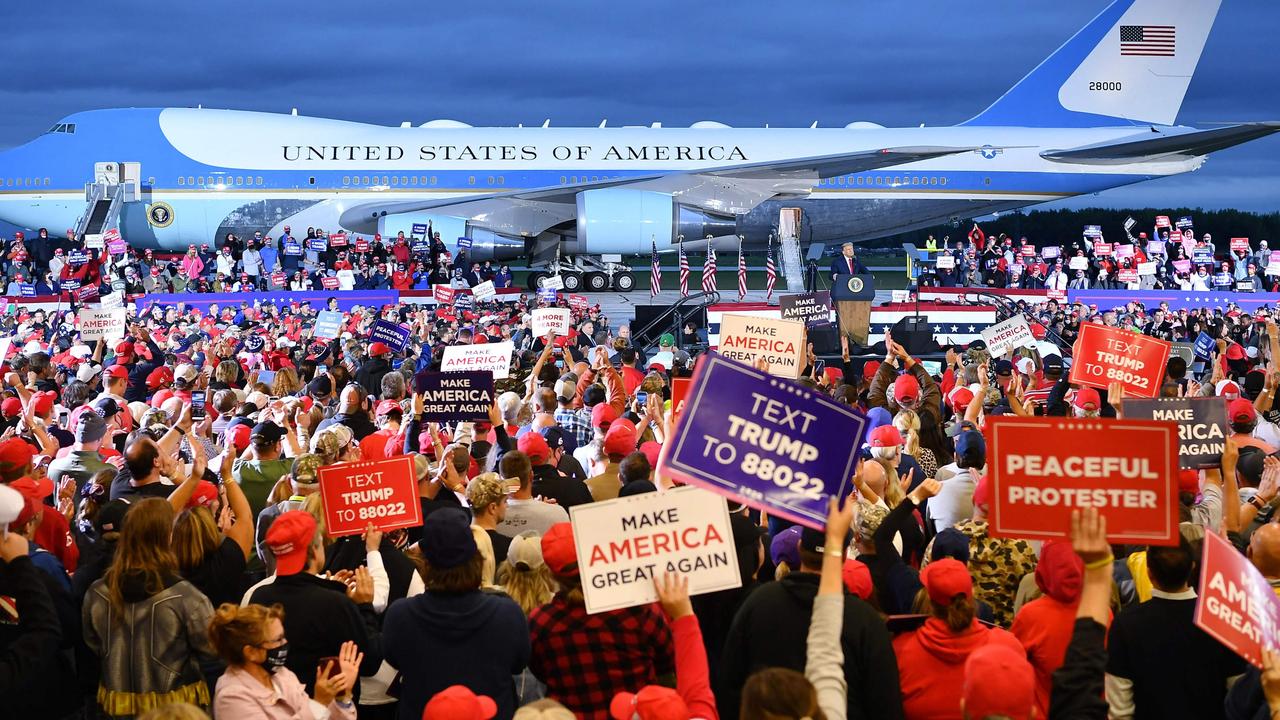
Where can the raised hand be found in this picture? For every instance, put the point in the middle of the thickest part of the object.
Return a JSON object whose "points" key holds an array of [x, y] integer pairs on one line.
{"points": [[1089, 535], [926, 489], [673, 594]]}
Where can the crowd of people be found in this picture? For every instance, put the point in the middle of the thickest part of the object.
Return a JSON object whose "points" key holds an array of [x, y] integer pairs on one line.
{"points": [[1169, 259], [47, 265], [165, 549]]}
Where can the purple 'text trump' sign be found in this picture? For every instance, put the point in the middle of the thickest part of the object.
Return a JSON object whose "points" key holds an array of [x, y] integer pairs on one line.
{"points": [[764, 441], [395, 336]]}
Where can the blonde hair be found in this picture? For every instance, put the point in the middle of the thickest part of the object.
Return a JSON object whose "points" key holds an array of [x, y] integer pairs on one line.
{"points": [[314, 504], [908, 423], [286, 382], [484, 545], [781, 570], [531, 588], [195, 535], [233, 627], [544, 709]]}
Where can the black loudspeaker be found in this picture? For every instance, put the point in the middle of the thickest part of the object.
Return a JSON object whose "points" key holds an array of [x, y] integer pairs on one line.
{"points": [[915, 335], [825, 339]]}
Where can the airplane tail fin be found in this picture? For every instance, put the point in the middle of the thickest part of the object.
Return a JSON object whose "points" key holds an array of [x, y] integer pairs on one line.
{"points": [[1130, 65]]}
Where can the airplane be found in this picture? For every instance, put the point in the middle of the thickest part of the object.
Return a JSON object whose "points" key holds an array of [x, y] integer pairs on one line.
{"points": [[1098, 113]]}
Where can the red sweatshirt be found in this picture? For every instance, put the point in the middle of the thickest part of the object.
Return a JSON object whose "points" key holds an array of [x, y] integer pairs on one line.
{"points": [[931, 666], [693, 677]]}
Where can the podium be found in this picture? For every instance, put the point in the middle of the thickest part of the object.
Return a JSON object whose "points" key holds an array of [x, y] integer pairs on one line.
{"points": [[853, 295]]}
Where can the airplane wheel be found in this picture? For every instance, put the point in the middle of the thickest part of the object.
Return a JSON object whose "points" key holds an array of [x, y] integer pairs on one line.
{"points": [[536, 278], [595, 281], [624, 282], [572, 282]]}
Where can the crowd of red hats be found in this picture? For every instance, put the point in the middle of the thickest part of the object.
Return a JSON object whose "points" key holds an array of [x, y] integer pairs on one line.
{"points": [[172, 478]]}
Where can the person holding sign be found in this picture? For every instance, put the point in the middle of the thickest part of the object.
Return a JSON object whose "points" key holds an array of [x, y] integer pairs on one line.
{"points": [[571, 654], [454, 634]]}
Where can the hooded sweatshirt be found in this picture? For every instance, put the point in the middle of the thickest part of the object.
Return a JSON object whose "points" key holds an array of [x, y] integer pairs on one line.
{"points": [[931, 666], [1044, 625], [436, 640]]}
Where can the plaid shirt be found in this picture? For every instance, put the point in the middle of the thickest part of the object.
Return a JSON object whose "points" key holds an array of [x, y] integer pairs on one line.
{"points": [[587, 659], [573, 422]]}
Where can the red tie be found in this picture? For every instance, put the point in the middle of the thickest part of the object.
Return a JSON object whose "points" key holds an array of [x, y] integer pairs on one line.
{"points": [[850, 261]]}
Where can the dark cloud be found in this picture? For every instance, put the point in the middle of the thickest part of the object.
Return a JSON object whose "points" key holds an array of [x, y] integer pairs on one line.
{"points": [[498, 63]]}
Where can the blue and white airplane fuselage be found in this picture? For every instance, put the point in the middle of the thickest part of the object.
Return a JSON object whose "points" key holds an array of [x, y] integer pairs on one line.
{"points": [[1098, 114]]}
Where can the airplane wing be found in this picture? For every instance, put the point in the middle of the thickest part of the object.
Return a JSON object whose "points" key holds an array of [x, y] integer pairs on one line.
{"points": [[734, 189], [1158, 144]]}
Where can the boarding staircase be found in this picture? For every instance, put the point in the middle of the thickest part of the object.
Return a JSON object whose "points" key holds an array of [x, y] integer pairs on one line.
{"points": [[672, 320], [114, 184], [792, 265]]}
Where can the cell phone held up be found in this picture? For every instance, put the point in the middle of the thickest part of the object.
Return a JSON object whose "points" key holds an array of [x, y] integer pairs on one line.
{"points": [[197, 404]]}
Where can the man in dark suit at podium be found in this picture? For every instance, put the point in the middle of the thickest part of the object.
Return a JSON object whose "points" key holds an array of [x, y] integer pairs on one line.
{"points": [[847, 264]]}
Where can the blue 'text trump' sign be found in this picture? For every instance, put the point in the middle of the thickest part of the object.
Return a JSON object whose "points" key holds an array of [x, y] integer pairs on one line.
{"points": [[464, 243], [395, 336], [419, 229], [764, 441], [1204, 346]]}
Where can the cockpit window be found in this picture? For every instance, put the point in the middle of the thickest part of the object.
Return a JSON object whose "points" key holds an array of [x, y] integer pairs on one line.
{"points": [[68, 128]]}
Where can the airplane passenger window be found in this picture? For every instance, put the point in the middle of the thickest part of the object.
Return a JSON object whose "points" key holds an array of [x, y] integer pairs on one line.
{"points": [[490, 179], [859, 179], [433, 179], [879, 180], [311, 181], [986, 181], [239, 180], [259, 181], [413, 180], [471, 180], [563, 179], [200, 181], [364, 180], [942, 181], [346, 180], [395, 180], [386, 180], [501, 180], [181, 180], [404, 180], [46, 182]]}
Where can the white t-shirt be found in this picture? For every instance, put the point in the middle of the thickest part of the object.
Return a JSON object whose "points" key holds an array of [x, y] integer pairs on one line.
{"points": [[526, 515], [954, 502]]}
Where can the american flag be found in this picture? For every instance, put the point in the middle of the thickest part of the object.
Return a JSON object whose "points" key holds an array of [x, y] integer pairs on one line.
{"points": [[684, 273], [655, 272], [709, 270], [742, 272], [770, 272], [1147, 40]]}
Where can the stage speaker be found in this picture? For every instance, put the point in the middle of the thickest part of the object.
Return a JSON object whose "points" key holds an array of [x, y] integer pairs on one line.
{"points": [[915, 335]]}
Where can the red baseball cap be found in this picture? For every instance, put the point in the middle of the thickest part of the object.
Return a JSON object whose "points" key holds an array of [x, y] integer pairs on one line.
{"points": [[944, 580], [906, 388], [288, 539], [602, 415], [159, 377], [1189, 481], [204, 495], [1241, 410], [33, 495], [869, 369], [119, 372], [559, 551], [535, 446], [42, 402], [379, 348], [124, 348], [15, 453], [960, 397], [651, 449], [457, 702], [1087, 399], [653, 702], [386, 407], [620, 440], [11, 407], [998, 682], [885, 436], [982, 492], [857, 578], [239, 436]]}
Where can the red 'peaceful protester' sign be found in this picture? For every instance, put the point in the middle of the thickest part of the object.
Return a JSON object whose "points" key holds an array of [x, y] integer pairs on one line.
{"points": [[1236, 604], [382, 492], [1104, 355], [1043, 468]]}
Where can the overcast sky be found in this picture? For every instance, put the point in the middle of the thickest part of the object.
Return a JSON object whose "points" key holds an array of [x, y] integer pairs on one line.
{"points": [[936, 62]]}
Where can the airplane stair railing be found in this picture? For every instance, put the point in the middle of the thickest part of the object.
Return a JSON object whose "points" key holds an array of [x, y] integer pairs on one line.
{"points": [[114, 208], [673, 318], [1006, 308], [94, 195], [792, 267]]}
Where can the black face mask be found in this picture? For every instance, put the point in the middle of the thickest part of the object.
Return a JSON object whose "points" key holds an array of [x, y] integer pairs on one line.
{"points": [[276, 657]]}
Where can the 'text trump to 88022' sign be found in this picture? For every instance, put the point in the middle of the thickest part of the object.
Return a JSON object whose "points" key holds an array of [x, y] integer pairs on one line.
{"points": [[765, 441]]}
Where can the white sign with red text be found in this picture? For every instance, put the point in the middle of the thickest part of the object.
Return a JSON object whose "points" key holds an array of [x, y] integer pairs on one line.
{"points": [[494, 357], [749, 339]]}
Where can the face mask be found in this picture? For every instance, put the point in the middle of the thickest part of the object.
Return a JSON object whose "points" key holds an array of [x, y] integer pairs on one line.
{"points": [[276, 657]]}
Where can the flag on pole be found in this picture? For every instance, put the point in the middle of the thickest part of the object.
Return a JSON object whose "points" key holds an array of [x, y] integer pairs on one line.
{"points": [[709, 269], [770, 271], [655, 272], [742, 272], [684, 273]]}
